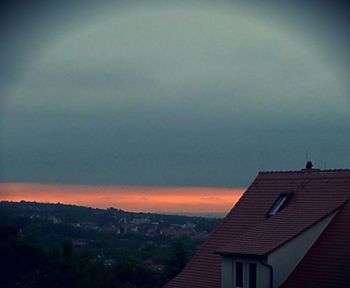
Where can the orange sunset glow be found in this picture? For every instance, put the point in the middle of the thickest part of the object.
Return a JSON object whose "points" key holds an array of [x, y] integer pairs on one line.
{"points": [[139, 199]]}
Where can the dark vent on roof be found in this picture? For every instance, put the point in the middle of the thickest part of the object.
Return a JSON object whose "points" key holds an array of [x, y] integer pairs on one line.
{"points": [[309, 165], [280, 202]]}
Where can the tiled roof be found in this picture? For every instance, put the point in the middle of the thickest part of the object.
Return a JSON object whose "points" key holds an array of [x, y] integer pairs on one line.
{"points": [[246, 230], [275, 231]]}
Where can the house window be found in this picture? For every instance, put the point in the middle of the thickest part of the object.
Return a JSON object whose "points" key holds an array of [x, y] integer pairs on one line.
{"points": [[279, 203], [252, 275], [239, 274]]}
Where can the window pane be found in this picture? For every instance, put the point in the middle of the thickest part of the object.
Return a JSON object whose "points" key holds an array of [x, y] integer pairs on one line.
{"points": [[239, 274], [252, 275], [280, 203], [277, 205]]}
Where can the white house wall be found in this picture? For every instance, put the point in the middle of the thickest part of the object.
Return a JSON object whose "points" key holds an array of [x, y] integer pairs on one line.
{"points": [[226, 272], [286, 258]]}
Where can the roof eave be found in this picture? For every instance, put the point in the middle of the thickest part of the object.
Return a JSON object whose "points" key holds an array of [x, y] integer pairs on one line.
{"points": [[240, 255]]}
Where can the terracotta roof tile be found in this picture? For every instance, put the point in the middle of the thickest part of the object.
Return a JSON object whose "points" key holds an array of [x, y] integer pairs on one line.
{"points": [[275, 231]]}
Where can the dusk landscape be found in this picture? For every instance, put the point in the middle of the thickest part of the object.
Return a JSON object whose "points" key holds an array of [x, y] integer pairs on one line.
{"points": [[130, 129]]}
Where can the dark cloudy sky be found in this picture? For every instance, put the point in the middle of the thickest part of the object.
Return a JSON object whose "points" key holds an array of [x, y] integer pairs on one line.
{"points": [[171, 93]]}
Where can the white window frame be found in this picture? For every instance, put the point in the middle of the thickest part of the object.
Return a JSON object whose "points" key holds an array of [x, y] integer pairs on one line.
{"points": [[245, 272]]}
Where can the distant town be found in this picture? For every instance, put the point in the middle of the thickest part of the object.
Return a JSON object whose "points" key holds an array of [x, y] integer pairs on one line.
{"points": [[110, 236]]}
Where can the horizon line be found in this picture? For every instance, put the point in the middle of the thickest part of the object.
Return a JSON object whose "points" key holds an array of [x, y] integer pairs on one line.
{"points": [[198, 200]]}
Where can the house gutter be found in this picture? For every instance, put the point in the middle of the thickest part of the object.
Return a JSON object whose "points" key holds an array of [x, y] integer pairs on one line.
{"points": [[271, 271]]}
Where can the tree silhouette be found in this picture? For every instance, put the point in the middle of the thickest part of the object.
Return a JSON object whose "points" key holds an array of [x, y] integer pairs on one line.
{"points": [[178, 259]]}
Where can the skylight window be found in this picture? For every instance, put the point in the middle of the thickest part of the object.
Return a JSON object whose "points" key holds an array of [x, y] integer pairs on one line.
{"points": [[280, 202]]}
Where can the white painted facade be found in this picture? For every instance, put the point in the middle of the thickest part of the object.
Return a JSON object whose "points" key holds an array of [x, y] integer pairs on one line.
{"points": [[283, 260]]}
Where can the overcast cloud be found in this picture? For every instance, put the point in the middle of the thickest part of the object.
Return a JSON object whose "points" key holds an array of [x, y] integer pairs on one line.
{"points": [[173, 95]]}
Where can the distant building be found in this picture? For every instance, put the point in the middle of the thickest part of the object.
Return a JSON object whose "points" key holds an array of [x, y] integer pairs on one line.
{"points": [[289, 229], [55, 220], [109, 262], [156, 267], [79, 243]]}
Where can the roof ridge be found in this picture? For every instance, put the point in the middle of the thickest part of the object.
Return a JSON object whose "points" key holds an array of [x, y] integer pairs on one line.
{"points": [[304, 171]]}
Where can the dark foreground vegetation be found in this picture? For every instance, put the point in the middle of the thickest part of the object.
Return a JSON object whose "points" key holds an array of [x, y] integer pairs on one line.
{"points": [[55, 245]]}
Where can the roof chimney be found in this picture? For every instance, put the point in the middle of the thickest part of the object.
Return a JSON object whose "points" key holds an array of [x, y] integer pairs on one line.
{"points": [[309, 165]]}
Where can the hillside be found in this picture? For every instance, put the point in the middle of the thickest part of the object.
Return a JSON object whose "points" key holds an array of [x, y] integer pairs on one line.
{"points": [[110, 237]]}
